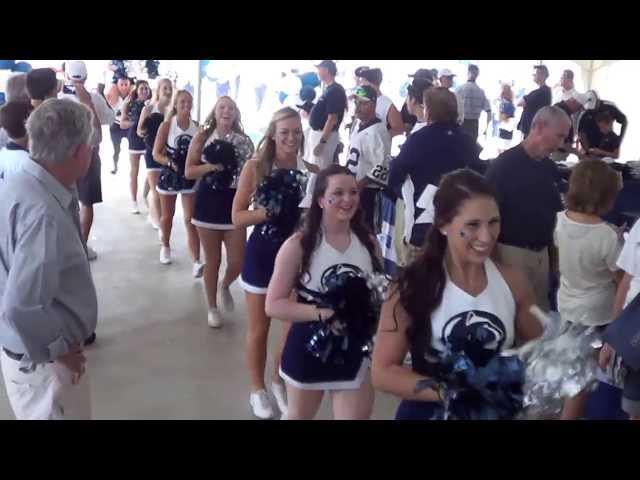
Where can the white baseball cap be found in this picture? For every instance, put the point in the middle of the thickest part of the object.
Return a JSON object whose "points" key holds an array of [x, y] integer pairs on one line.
{"points": [[76, 70], [581, 98], [445, 72]]}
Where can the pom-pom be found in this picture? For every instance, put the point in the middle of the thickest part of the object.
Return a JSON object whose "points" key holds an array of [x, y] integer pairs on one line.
{"points": [[280, 194], [151, 125], [220, 152]]}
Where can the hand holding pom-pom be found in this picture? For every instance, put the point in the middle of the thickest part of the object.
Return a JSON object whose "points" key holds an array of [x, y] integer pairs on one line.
{"points": [[224, 156]]}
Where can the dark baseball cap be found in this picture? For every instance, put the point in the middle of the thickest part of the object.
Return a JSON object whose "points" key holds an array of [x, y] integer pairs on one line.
{"points": [[330, 65], [373, 75], [359, 70], [424, 73], [366, 93]]}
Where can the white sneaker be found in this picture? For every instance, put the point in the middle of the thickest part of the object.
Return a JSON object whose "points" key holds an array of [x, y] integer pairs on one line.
{"points": [[91, 254], [198, 269], [134, 208], [214, 319], [280, 393], [152, 223], [165, 255], [260, 405], [227, 299]]}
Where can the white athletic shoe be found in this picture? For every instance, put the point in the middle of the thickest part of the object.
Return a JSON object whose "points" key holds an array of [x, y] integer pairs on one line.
{"points": [[134, 208], [198, 269], [165, 255], [91, 254], [227, 299], [260, 405], [214, 319], [280, 393]]}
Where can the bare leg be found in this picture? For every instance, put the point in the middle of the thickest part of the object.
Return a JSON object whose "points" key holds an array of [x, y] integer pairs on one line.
{"points": [[256, 341], [168, 209], [188, 201], [234, 243], [303, 404], [154, 206], [573, 408], [354, 404], [134, 159], [146, 189], [212, 246], [86, 221]]}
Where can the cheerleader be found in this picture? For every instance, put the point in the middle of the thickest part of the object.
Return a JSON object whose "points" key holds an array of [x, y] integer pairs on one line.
{"points": [[451, 294], [334, 237], [170, 149], [212, 211], [116, 96], [158, 107], [280, 148], [131, 111]]}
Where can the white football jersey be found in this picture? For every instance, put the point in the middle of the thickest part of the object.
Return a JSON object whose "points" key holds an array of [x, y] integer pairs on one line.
{"points": [[370, 152]]}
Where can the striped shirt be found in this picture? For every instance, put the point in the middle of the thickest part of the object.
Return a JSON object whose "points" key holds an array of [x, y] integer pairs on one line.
{"points": [[474, 100]]}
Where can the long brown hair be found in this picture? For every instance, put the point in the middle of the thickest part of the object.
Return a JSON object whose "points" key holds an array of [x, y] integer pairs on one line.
{"points": [[174, 103], [313, 220], [210, 123], [266, 151], [421, 284]]}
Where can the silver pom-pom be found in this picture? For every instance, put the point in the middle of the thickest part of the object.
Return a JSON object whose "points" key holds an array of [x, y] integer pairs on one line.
{"points": [[560, 364]]}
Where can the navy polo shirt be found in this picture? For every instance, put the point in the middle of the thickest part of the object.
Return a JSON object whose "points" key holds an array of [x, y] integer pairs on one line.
{"points": [[426, 156], [589, 127], [528, 198], [333, 100], [534, 101]]}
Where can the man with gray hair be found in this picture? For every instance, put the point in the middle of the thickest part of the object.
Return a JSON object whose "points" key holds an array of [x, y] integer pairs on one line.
{"points": [[525, 181], [48, 303]]}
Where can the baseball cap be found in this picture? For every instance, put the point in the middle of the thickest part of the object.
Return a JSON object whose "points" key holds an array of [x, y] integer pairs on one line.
{"points": [[581, 98], [75, 70], [445, 72], [373, 75], [359, 70], [330, 65], [543, 68], [366, 93], [423, 73]]}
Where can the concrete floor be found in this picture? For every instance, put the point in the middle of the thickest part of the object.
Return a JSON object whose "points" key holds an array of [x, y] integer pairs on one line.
{"points": [[155, 357]]}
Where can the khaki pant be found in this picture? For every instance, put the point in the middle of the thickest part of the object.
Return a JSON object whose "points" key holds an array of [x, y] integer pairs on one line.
{"points": [[535, 266]]}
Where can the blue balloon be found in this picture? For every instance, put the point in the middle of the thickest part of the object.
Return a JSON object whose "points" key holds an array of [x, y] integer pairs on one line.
{"points": [[7, 64], [307, 94], [282, 96], [23, 67], [2, 98], [311, 79]]}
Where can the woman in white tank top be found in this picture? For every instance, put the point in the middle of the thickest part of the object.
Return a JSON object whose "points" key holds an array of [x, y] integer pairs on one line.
{"points": [[448, 295], [334, 238], [170, 149]]}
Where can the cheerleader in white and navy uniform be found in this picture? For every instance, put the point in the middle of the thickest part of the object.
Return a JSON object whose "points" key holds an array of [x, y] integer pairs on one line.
{"points": [[116, 96], [448, 296], [280, 148], [212, 211], [334, 238], [155, 112], [170, 149], [131, 111]]}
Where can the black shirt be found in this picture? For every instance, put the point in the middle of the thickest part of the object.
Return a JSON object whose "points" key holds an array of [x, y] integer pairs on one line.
{"points": [[610, 142], [426, 156], [528, 198], [563, 106], [534, 101], [588, 126], [407, 117], [333, 100]]}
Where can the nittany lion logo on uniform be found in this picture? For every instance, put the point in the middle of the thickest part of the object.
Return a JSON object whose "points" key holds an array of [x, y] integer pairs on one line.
{"points": [[478, 333], [334, 271]]}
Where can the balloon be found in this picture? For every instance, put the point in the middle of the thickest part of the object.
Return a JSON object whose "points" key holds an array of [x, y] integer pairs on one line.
{"points": [[22, 67], [7, 64], [311, 79]]}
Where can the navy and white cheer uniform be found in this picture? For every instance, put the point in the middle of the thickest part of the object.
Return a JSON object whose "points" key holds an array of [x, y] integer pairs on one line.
{"points": [[300, 368], [212, 205], [149, 140], [455, 320], [178, 141], [260, 255], [136, 144]]}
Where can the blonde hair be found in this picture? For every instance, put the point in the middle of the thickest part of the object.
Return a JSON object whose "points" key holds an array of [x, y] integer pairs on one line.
{"points": [[174, 104], [266, 151], [156, 95], [210, 123]]}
